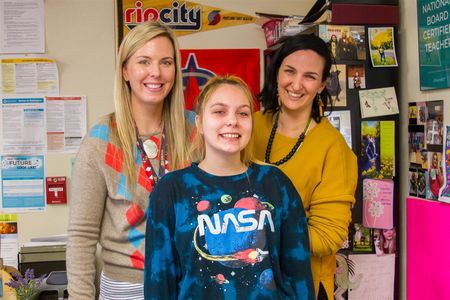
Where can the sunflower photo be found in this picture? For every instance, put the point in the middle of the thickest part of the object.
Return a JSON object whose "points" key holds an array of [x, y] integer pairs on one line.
{"points": [[382, 47]]}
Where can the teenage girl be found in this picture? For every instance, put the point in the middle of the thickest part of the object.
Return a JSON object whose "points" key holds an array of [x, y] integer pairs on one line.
{"points": [[226, 227]]}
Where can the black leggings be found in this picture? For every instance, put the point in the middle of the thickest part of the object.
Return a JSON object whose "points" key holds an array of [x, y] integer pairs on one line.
{"points": [[322, 294]]}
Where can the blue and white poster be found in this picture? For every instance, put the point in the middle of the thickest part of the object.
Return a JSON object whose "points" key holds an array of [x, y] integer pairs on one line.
{"points": [[23, 182], [434, 43]]}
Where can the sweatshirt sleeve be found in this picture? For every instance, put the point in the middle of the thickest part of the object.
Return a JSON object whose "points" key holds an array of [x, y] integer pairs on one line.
{"points": [[161, 263], [295, 252], [86, 207], [330, 208]]}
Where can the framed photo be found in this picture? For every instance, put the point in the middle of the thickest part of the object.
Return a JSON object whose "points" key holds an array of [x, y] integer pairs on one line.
{"points": [[344, 42]]}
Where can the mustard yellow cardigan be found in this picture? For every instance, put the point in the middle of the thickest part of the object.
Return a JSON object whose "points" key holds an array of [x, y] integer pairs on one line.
{"points": [[325, 173]]}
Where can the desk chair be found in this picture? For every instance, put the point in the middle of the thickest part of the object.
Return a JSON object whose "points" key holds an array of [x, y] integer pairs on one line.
{"points": [[54, 286]]}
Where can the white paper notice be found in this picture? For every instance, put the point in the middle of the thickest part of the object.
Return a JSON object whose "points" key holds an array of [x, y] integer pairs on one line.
{"points": [[341, 120], [373, 277], [9, 244], [29, 76], [23, 126], [22, 26], [66, 123]]}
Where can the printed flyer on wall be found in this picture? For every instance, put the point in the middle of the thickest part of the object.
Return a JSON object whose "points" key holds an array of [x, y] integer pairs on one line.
{"points": [[23, 182], [66, 123], [9, 245], [23, 126]]}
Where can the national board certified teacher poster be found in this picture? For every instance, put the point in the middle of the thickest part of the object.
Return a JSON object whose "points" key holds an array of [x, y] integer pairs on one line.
{"points": [[434, 43]]}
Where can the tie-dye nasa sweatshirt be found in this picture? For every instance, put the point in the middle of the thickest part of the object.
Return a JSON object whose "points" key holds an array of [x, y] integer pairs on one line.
{"points": [[227, 237]]}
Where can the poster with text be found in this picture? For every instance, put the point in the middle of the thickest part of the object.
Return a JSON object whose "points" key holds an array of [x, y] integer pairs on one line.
{"points": [[9, 243], [66, 123], [23, 182], [373, 277], [25, 75], [434, 44], [23, 122]]}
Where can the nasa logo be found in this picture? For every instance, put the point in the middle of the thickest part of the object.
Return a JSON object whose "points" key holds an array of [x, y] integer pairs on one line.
{"points": [[245, 222]]}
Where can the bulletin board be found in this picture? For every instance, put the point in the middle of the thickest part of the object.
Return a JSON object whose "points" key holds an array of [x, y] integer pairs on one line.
{"points": [[427, 248]]}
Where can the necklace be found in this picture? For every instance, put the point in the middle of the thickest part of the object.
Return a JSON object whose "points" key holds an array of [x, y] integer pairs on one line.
{"points": [[156, 150], [150, 147], [293, 150]]}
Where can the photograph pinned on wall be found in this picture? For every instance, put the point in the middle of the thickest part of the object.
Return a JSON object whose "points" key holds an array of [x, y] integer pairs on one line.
{"points": [[377, 149], [444, 193], [356, 77], [413, 181], [378, 102], [412, 113], [421, 183], [344, 42], [434, 127], [362, 238], [421, 108], [417, 151], [341, 120], [435, 177], [382, 47], [434, 132], [336, 85], [385, 240]]}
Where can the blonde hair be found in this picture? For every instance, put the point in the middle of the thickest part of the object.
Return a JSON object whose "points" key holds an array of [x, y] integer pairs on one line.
{"points": [[198, 148], [122, 121]]}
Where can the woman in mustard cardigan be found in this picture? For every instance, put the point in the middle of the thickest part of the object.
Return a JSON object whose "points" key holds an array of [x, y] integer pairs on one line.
{"points": [[293, 134]]}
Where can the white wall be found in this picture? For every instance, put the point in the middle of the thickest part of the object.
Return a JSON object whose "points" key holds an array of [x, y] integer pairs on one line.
{"points": [[410, 92], [80, 36]]}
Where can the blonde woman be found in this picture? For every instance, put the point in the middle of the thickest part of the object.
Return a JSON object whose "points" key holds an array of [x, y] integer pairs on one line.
{"points": [[120, 161]]}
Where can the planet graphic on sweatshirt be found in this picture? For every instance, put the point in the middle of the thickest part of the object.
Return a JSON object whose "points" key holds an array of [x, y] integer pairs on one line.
{"points": [[220, 279], [266, 279], [235, 237]]}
